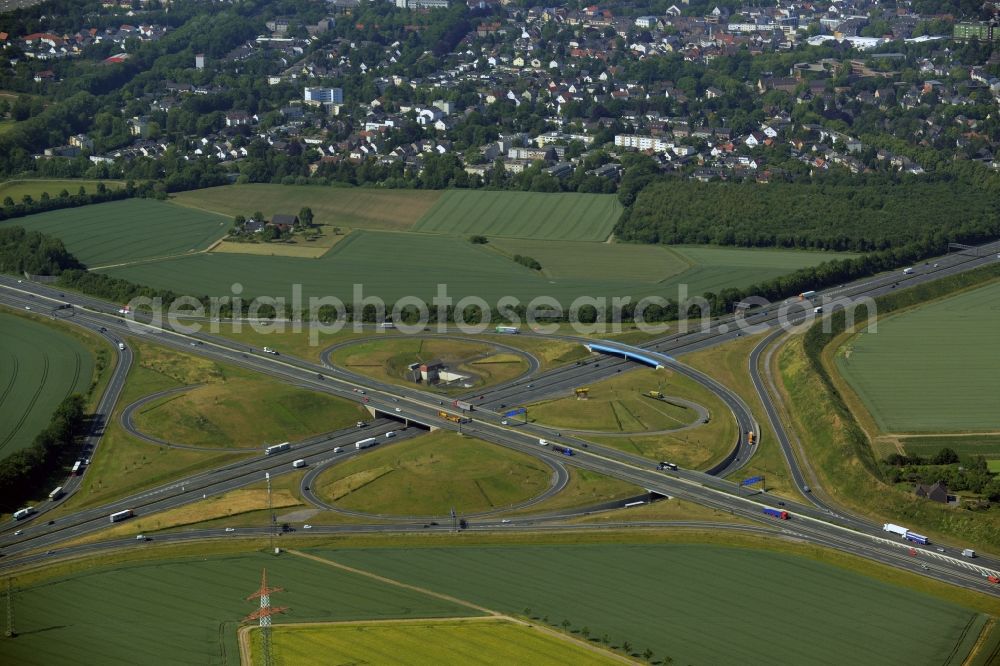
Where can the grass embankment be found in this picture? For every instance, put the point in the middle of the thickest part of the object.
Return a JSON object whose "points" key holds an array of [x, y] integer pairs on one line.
{"points": [[224, 510], [345, 207], [245, 411], [670, 509], [728, 364], [481, 641], [550, 353], [584, 488], [617, 405], [42, 361], [432, 474], [388, 359], [839, 448]]}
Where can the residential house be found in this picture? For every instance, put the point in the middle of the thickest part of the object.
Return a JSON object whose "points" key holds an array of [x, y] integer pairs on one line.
{"points": [[284, 222], [937, 492]]}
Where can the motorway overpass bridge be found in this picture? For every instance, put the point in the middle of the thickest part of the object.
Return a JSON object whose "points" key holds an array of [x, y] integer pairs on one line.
{"points": [[628, 352]]}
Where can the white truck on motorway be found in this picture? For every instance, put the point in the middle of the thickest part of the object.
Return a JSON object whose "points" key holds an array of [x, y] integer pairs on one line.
{"points": [[21, 514], [968, 552], [907, 271], [365, 443], [895, 529], [299, 463]]}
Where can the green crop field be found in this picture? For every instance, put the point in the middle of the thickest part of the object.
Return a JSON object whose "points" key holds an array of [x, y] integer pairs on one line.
{"points": [[566, 216], [499, 642], [573, 260], [393, 265], [378, 261], [934, 368], [695, 604], [126, 231], [186, 612], [715, 268], [431, 474], [216, 414], [966, 446], [39, 367], [350, 207], [16, 189]]}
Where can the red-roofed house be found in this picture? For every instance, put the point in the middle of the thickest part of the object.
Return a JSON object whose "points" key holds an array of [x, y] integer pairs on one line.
{"points": [[51, 40]]}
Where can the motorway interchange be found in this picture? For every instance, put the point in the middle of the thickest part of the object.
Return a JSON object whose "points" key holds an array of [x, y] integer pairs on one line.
{"points": [[816, 521]]}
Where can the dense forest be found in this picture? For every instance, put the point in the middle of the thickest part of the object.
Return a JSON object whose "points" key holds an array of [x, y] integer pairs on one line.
{"points": [[31, 252], [860, 216]]}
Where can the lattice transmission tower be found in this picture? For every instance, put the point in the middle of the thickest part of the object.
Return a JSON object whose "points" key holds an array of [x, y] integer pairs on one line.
{"points": [[263, 615]]}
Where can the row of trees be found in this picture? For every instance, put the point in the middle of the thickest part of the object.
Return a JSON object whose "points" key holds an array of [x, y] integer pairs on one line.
{"points": [[23, 472], [46, 202], [869, 214]]}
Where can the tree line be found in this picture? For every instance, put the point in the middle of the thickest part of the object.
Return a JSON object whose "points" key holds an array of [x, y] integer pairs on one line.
{"points": [[861, 216], [31, 252], [23, 472], [28, 205]]}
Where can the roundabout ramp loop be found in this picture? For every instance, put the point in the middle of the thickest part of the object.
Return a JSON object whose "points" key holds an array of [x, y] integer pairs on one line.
{"points": [[742, 450], [127, 421], [560, 478], [533, 363]]}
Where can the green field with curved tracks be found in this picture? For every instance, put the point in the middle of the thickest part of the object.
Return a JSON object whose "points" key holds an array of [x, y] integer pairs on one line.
{"points": [[39, 367], [696, 603]]}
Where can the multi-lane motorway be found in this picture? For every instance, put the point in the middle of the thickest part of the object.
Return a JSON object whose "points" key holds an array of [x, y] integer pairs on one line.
{"points": [[817, 522]]}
